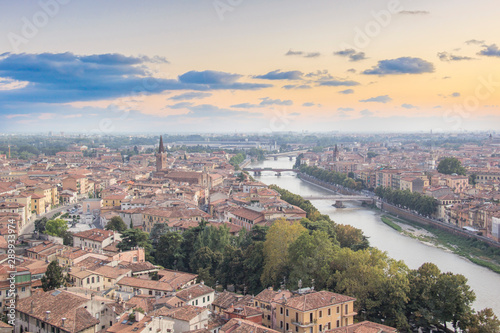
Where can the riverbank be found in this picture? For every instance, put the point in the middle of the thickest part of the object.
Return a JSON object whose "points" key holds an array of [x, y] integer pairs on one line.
{"points": [[474, 250], [470, 249]]}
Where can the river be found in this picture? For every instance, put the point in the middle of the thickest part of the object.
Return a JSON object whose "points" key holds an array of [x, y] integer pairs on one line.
{"points": [[485, 283]]}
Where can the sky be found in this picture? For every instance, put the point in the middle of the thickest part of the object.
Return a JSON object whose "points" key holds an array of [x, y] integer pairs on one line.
{"points": [[159, 66]]}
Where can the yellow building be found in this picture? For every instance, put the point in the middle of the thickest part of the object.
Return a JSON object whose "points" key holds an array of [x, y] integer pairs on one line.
{"points": [[38, 204], [25, 200], [113, 200], [311, 312]]}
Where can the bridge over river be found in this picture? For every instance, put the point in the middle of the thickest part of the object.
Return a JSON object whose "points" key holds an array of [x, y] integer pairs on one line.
{"points": [[258, 171]]}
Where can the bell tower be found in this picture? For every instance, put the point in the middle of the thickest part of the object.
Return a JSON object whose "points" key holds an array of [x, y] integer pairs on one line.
{"points": [[161, 157]]}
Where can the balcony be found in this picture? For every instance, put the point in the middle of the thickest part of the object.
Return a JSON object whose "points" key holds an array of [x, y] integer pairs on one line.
{"points": [[303, 325]]}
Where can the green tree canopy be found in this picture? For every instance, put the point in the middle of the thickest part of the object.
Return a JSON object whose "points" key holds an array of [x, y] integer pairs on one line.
{"points": [[116, 223], [135, 238], [56, 227], [450, 165], [53, 278], [279, 237]]}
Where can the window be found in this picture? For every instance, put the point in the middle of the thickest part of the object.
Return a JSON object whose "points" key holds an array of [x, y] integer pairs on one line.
{"points": [[338, 323], [88, 280], [338, 310], [208, 298], [320, 314], [287, 312], [310, 317], [320, 328], [281, 310], [281, 324], [93, 279], [346, 309], [97, 279], [296, 317], [203, 299], [196, 302], [287, 326], [329, 312]]}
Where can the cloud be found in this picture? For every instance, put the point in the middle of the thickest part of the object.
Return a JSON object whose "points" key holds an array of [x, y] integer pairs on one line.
{"points": [[312, 55], [266, 101], [291, 86], [490, 51], [474, 41], [408, 106], [445, 56], [366, 113], [378, 99], [212, 111], [414, 12], [347, 91], [308, 104], [455, 94], [294, 114], [345, 109], [294, 53], [351, 70], [352, 54], [404, 65], [279, 75], [181, 105], [66, 77], [303, 54], [190, 95], [338, 83]]}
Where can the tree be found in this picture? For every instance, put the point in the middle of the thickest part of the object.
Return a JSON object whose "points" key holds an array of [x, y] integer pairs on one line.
{"points": [[135, 238], [67, 237], [40, 225], [485, 321], [168, 250], [53, 278], [116, 223], [380, 284], [158, 230], [56, 227], [351, 237], [452, 299], [450, 165], [420, 307], [310, 257], [279, 237]]}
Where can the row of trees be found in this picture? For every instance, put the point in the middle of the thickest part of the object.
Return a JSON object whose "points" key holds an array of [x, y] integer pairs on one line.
{"points": [[423, 204], [333, 177]]}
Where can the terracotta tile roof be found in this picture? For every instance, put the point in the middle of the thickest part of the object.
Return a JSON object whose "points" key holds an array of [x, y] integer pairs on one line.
{"points": [[112, 272], [194, 291], [245, 311], [61, 304], [364, 327], [227, 299], [140, 301], [244, 326], [314, 300], [175, 278], [146, 284], [269, 295], [98, 235], [184, 313]]}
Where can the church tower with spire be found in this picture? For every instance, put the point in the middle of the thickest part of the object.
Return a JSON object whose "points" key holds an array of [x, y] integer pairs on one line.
{"points": [[161, 157]]}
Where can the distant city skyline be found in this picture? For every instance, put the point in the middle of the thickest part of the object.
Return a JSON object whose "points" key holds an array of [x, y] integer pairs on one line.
{"points": [[249, 66]]}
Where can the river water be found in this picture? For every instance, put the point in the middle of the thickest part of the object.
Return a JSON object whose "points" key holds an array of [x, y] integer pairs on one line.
{"points": [[485, 283]]}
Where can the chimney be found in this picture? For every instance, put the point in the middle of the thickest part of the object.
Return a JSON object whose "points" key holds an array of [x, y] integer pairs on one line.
{"points": [[31, 308], [47, 315], [63, 320]]}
